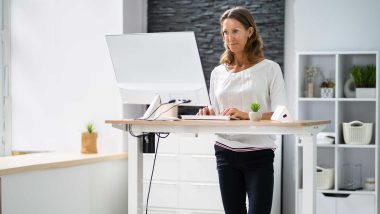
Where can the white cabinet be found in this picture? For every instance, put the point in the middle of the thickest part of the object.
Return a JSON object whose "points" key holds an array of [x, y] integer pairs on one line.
{"points": [[185, 178], [205, 196], [335, 203], [356, 204], [350, 162], [67, 184], [325, 205]]}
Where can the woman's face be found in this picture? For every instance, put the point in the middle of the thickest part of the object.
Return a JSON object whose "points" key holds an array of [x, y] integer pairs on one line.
{"points": [[235, 35]]}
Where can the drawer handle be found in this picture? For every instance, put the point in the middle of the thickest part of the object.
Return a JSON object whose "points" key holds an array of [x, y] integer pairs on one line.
{"points": [[336, 195]]}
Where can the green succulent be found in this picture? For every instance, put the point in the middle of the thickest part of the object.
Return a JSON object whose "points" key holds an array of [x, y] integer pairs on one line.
{"points": [[364, 76], [255, 106], [327, 84], [90, 127]]}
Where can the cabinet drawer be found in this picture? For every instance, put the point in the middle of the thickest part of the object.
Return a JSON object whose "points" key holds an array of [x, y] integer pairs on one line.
{"points": [[160, 211], [200, 196], [203, 144], [162, 194], [169, 145], [200, 212], [166, 167], [325, 205], [354, 204], [198, 168]]}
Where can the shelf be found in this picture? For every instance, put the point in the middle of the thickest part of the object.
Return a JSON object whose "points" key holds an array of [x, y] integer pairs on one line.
{"points": [[369, 146], [350, 161], [317, 99], [357, 99], [320, 145], [359, 192]]}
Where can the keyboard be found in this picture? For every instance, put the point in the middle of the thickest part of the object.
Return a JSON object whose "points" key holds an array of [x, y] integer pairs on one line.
{"points": [[208, 117]]}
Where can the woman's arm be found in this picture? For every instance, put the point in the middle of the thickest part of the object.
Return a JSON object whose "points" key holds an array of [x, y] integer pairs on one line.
{"points": [[277, 88]]}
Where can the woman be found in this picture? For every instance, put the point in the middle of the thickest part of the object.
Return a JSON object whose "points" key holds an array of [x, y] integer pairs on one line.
{"points": [[244, 162]]}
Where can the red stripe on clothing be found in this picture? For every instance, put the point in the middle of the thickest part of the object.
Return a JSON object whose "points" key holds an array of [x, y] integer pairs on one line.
{"points": [[248, 149]]}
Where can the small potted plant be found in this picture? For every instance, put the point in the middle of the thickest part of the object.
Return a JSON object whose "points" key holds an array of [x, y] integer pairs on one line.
{"points": [[327, 89], [255, 115], [365, 80], [89, 140]]}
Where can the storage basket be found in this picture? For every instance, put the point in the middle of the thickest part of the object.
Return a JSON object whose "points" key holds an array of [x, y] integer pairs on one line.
{"points": [[357, 132], [325, 178]]}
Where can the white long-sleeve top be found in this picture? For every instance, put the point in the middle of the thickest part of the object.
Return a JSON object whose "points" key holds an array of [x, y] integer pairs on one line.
{"points": [[264, 83]]}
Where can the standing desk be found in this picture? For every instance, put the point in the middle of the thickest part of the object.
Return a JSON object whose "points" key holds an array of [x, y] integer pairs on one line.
{"points": [[305, 130]]}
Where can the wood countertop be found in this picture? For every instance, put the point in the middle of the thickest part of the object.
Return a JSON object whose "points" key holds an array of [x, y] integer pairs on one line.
{"points": [[221, 123], [51, 160]]}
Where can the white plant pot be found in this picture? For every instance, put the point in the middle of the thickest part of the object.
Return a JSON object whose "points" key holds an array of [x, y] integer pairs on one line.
{"points": [[254, 116], [327, 92], [365, 92]]}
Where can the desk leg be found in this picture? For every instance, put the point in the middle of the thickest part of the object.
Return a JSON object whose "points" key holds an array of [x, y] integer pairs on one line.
{"points": [[135, 176], [309, 167]]}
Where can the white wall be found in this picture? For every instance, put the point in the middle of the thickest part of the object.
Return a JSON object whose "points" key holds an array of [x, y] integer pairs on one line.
{"points": [[62, 75], [135, 16], [2, 145], [345, 25], [95, 188]]}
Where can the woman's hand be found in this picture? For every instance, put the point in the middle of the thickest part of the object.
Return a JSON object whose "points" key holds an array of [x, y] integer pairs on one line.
{"points": [[234, 112], [206, 111]]}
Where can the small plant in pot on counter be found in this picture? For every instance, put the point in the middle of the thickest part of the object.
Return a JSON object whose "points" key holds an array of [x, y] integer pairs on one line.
{"points": [[327, 89], [255, 115], [89, 140]]}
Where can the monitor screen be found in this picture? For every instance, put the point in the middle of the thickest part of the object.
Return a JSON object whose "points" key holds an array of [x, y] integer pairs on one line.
{"points": [[164, 64]]}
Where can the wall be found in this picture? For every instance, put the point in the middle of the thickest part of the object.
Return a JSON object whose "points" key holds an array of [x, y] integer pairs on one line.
{"points": [[135, 16], [322, 26], [2, 144], [62, 75], [202, 17]]}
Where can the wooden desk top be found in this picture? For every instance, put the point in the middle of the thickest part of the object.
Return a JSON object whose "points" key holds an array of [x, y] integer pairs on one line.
{"points": [[221, 123], [39, 161]]}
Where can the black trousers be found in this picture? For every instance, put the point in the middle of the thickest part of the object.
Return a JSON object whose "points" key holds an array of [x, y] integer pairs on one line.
{"points": [[245, 173]]}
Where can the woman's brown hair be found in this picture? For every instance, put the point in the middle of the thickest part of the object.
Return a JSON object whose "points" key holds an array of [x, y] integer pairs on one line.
{"points": [[254, 46]]}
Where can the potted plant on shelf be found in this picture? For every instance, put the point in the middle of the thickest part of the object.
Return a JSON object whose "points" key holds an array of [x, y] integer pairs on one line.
{"points": [[89, 140], [255, 115], [327, 89], [365, 80]]}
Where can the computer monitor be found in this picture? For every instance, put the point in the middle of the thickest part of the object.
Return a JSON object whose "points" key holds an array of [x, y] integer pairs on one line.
{"points": [[164, 64]]}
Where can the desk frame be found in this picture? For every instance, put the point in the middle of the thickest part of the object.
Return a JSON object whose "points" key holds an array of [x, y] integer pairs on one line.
{"points": [[305, 130]]}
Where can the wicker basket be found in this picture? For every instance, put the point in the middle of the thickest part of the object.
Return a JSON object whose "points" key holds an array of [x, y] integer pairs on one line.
{"points": [[357, 132], [325, 178]]}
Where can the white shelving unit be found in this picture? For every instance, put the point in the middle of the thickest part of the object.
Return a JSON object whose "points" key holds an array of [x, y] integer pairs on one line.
{"points": [[339, 109]]}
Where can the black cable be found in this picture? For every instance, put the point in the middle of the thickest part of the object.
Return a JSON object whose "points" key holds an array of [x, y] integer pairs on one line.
{"points": [[151, 176], [129, 128], [154, 163], [159, 135]]}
